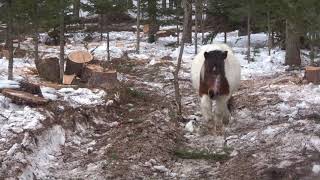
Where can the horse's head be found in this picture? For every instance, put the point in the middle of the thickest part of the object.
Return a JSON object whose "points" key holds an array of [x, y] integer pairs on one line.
{"points": [[213, 76]]}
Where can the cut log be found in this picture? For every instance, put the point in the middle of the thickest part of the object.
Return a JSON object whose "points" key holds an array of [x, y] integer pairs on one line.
{"points": [[30, 88], [24, 98], [95, 76], [67, 79], [165, 33], [49, 69], [80, 57], [146, 29], [312, 74], [75, 62]]}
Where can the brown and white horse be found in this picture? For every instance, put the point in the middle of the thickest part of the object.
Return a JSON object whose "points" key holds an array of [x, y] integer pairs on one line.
{"points": [[215, 74]]}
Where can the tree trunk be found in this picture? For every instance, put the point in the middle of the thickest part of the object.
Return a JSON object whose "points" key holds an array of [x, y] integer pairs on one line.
{"points": [[62, 4], [36, 34], [76, 9], [225, 37], [108, 46], [10, 40], [171, 3], [269, 34], [138, 27], [202, 20], [176, 72], [178, 34], [188, 15], [249, 31], [292, 46], [153, 27], [164, 4], [101, 27], [197, 9]]}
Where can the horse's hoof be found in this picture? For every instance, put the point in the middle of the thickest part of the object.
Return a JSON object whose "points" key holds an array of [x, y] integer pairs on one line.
{"points": [[220, 130], [225, 121], [208, 130]]}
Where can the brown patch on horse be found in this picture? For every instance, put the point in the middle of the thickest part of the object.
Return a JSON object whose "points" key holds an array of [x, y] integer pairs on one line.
{"points": [[213, 81]]}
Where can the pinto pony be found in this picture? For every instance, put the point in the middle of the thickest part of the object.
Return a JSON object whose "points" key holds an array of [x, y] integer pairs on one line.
{"points": [[215, 74]]}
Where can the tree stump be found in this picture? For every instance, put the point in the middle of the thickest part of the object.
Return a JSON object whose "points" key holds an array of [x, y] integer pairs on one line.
{"points": [[49, 69], [24, 98], [312, 74], [95, 76], [146, 29], [76, 61]]}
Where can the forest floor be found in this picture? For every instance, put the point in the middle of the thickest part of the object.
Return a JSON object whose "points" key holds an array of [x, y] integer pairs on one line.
{"points": [[131, 132]]}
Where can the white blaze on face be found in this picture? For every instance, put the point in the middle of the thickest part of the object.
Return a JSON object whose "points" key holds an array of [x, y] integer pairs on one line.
{"points": [[217, 83]]}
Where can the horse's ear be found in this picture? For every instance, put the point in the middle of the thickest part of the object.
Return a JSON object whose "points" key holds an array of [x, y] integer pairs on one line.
{"points": [[225, 54], [206, 55]]}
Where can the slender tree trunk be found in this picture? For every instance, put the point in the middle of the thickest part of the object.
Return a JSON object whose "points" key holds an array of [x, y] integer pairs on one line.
{"points": [[272, 39], [108, 46], [10, 39], [36, 34], [62, 4], [202, 21], [176, 72], [178, 22], [249, 31], [101, 27], [196, 27], [178, 34], [76, 9], [269, 34], [138, 27], [18, 30], [292, 46], [188, 34], [153, 26], [171, 3], [225, 37], [164, 4]]}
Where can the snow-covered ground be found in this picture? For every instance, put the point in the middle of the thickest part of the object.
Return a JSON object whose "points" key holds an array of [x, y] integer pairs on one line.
{"points": [[279, 115]]}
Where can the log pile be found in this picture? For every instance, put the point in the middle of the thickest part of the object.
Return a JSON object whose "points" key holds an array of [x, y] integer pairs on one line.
{"points": [[312, 74], [78, 69]]}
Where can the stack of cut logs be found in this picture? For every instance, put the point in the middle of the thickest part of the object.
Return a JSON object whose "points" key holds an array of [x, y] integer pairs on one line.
{"points": [[77, 66]]}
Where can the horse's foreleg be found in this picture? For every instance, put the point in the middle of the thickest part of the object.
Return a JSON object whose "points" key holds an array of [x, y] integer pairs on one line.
{"points": [[206, 110], [222, 114]]}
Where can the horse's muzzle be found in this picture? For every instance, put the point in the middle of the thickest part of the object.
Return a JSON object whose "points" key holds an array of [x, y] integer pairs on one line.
{"points": [[213, 94]]}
